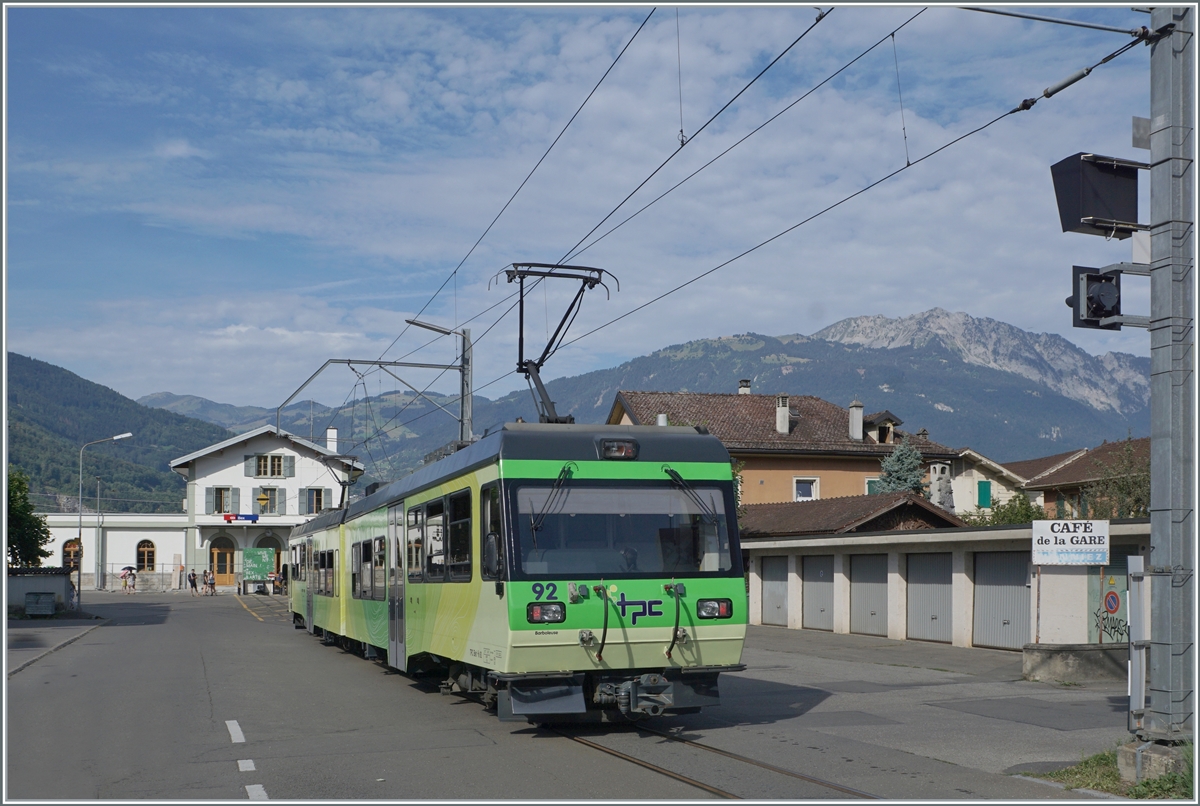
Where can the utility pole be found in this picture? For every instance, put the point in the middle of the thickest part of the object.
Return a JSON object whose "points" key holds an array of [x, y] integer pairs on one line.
{"points": [[1169, 715], [465, 391]]}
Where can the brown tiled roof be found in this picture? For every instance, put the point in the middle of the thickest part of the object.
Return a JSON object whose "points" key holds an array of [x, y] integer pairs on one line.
{"points": [[747, 423], [840, 515], [1030, 468], [1091, 466]]}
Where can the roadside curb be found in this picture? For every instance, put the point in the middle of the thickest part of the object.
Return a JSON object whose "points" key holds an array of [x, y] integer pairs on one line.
{"points": [[1093, 792], [52, 649]]}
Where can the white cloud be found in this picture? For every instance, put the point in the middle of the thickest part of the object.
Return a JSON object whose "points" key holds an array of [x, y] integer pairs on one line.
{"points": [[383, 140]]}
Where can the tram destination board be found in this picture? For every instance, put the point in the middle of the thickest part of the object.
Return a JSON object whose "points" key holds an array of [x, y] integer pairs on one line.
{"points": [[1063, 542]]}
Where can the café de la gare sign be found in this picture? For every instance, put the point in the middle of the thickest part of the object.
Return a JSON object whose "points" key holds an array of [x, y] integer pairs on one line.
{"points": [[1070, 543]]}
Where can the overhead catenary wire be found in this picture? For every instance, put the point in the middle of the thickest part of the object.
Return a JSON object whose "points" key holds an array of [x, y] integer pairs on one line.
{"points": [[1021, 107], [1138, 32], [820, 16], [454, 273], [747, 136]]}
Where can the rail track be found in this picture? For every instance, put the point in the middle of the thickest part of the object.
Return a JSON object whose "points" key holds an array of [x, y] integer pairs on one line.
{"points": [[712, 790]]}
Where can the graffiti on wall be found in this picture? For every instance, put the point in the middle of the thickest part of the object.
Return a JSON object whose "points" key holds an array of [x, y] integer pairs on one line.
{"points": [[1110, 625]]}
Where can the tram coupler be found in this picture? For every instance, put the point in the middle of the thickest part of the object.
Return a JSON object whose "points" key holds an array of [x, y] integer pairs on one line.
{"points": [[649, 694]]}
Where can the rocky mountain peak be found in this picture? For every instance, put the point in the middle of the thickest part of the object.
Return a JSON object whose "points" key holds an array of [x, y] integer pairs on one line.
{"points": [[1115, 381]]}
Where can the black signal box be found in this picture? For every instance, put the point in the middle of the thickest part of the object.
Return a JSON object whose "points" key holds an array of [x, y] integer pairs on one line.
{"points": [[1102, 189], [1094, 297]]}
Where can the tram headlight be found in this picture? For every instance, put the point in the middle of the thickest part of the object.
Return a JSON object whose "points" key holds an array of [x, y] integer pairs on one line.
{"points": [[714, 608], [545, 612]]}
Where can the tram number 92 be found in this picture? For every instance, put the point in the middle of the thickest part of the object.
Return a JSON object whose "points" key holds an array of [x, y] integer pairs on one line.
{"points": [[550, 590]]}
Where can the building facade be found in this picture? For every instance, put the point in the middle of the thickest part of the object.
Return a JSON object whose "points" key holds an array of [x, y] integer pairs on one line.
{"points": [[245, 492]]}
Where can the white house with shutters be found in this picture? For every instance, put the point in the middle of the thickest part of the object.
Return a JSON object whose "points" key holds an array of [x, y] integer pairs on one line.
{"points": [[250, 490], [245, 492]]}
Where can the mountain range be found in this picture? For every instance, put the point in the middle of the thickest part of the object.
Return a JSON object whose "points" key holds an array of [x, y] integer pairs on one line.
{"points": [[977, 383], [972, 382]]}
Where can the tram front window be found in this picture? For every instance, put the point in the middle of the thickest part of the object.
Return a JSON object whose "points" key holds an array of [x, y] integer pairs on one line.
{"points": [[621, 531]]}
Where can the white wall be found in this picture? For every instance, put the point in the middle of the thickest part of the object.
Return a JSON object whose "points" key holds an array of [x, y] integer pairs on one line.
{"points": [[1064, 604]]}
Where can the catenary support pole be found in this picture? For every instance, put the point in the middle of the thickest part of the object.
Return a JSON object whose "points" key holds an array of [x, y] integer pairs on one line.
{"points": [[1172, 397]]}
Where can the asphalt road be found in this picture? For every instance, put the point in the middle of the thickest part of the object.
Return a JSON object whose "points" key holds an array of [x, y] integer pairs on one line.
{"points": [[221, 699]]}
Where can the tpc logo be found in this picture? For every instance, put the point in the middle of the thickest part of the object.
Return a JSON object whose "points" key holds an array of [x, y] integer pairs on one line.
{"points": [[641, 608]]}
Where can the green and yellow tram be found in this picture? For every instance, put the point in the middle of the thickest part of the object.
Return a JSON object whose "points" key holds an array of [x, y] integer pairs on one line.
{"points": [[559, 572]]}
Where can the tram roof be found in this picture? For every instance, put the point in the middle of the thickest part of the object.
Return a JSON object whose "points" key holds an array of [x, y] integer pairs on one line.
{"points": [[564, 442]]}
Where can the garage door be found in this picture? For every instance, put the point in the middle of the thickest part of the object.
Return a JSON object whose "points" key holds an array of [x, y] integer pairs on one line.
{"points": [[774, 590], [818, 592], [1002, 599], [868, 594], [929, 603]]}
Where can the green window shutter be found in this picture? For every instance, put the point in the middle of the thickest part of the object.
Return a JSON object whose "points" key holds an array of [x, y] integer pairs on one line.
{"points": [[872, 486], [289, 466], [985, 494], [235, 504], [281, 501], [209, 503], [248, 464]]}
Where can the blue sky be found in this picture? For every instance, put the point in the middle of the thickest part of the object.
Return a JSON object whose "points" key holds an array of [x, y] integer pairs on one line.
{"points": [[214, 200]]}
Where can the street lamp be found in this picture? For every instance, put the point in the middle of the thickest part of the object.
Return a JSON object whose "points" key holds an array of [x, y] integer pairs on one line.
{"points": [[79, 534]]}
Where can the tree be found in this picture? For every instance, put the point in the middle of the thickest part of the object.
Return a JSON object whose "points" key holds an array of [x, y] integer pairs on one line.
{"points": [[1016, 510], [27, 532], [902, 471], [1124, 489]]}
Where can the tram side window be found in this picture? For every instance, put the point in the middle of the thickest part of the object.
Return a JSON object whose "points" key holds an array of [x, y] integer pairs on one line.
{"points": [[303, 563], [355, 577], [364, 569], [321, 572], [416, 531], [379, 569], [489, 511], [333, 553], [459, 547], [435, 541]]}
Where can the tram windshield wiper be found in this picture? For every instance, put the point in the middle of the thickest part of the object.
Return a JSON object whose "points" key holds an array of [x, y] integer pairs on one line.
{"points": [[553, 499], [708, 515]]}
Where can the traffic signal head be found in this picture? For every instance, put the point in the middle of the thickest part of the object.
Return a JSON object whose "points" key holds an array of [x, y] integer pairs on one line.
{"points": [[1094, 297]]}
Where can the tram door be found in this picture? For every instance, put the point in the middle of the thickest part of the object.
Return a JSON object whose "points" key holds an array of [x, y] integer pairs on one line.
{"points": [[396, 576], [308, 576]]}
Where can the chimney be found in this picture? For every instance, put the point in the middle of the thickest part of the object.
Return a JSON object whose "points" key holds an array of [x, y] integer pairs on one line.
{"points": [[331, 439], [781, 414], [661, 420], [856, 420], [744, 386]]}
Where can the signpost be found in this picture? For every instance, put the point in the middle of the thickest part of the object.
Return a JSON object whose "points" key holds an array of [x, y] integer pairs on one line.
{"points": [[257, 565], [1068, 543]]}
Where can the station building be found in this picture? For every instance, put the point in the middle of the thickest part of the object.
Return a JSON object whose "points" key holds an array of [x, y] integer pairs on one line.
{"points": [[248, 491]]}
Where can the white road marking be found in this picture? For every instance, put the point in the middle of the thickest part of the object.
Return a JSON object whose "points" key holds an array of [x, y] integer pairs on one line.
{"points": [[245, 765], [235, 732], [256, 792]]}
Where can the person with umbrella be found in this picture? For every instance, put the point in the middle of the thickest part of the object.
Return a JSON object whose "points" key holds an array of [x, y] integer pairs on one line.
{"points": [[130, 577]]}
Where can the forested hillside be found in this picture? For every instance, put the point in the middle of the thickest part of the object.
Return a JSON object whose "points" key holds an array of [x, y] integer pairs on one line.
{"points": [[53, 412]]}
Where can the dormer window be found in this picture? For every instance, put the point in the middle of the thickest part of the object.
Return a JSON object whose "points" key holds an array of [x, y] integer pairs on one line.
{"points": [[884, 435]]}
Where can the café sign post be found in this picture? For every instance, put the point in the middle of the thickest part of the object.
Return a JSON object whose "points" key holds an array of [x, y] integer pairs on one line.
{"points": [[1063, 542]]}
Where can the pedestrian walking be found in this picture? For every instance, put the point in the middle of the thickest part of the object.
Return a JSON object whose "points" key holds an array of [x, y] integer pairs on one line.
{"points": [[204, 583], [132, 583], [212, 583], [191, 578]]}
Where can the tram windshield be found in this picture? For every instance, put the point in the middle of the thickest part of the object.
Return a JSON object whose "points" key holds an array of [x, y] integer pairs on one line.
{"points": [[622, 531]]}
